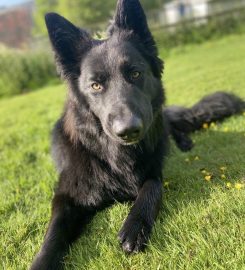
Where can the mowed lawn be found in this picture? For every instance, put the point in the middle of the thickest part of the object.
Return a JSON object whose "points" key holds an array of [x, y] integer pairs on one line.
{"points": [[202, 221]]}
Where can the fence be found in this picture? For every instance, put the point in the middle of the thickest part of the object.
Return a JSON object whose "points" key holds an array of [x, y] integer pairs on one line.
{"points": [[194, 12]]}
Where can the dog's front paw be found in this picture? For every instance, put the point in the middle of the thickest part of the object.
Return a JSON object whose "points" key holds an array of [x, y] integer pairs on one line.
{"points": [[185, 144], [134, 234]]}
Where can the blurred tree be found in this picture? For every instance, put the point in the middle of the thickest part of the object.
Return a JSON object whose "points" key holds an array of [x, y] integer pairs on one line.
{"points": [[42, 7], [152, 4], [81, 12], [86, 11]]}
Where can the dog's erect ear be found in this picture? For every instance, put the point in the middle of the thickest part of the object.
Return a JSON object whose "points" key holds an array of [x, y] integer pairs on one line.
{"points": [[130, 16], [69, 43]]}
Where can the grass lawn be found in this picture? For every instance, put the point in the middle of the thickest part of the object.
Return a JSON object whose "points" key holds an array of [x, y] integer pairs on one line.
{"points": [[202, 221]]}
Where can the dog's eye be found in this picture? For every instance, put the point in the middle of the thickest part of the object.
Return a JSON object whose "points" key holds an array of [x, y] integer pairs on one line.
{"points": [[97, 87], [135, 74]]}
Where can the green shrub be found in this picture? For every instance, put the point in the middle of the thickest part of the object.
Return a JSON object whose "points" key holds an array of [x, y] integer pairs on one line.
{"points": [[23, 71]]}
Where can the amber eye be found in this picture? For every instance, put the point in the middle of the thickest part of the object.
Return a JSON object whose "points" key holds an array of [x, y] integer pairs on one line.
{"points": [[97, 87], [135, 74]]}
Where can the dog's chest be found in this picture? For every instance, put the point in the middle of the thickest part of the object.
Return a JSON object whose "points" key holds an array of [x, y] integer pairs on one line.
{"points": [[119, 180], [95, 182]]}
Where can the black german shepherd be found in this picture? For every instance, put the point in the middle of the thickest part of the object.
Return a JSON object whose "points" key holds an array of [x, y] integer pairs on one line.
{"points": [[110, 143]]}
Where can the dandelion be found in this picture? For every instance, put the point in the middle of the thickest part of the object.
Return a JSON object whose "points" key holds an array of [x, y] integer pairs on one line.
{"points": [[166, 184], [226, 129], [208, 177], [197, 158], [223, 168], [228, 185], [203, 171], [212, 125], [238, 186], [205, 125], [223, 176]]}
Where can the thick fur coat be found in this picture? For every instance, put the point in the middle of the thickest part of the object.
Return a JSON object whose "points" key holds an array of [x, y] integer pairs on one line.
{"points": [[110, 143]]}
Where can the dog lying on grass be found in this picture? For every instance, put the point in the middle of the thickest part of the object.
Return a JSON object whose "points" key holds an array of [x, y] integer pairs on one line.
{"points": [[110, 143]]}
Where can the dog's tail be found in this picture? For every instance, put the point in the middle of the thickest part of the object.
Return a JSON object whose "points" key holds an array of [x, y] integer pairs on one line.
{"points": [[215, 107]]}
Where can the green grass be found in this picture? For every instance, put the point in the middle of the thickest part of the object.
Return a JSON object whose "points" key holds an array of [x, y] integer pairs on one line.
{"points": [[201, 224]]}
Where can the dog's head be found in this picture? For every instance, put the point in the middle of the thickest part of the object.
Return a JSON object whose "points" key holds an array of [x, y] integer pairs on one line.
{"points": [[120, 77]]}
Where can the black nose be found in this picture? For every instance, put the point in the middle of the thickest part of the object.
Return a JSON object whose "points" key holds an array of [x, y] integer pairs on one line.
{"points": [[128, 130]]}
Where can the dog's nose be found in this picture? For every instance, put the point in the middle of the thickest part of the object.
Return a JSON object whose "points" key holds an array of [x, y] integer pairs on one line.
{"points": [[128, 131]]}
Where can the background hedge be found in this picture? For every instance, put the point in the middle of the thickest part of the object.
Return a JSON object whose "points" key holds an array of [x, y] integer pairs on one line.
{"points": [[22, 71]]}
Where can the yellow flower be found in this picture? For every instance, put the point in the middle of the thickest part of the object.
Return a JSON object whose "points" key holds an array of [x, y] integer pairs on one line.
{"points": [[212, 125], [166, 184], [208, 177], [204, 171], [223, 168], [223, 176], [238, 186], [205, 125], [226, 129], [196, 158], [228, 185]]}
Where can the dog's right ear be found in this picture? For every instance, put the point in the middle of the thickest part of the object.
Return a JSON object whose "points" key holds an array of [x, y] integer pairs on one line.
{"points": [[69, 43]]}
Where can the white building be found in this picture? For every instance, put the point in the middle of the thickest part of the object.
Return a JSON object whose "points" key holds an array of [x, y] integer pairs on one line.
{"points": [[178, 10]]}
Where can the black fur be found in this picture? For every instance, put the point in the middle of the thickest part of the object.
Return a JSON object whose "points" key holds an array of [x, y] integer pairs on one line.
{"points": [[215, 107], [111, 141]]}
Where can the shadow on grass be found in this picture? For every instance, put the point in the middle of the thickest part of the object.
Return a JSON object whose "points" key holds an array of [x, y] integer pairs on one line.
{"points": [[220, 155]]}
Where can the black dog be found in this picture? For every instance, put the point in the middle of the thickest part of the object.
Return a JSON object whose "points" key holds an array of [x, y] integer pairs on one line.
{"points": [[111, 141]]}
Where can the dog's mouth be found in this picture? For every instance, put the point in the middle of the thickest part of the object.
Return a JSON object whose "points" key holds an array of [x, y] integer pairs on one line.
{"points": [[130, 139], [123, 140], [126, 140], [130, 142]]}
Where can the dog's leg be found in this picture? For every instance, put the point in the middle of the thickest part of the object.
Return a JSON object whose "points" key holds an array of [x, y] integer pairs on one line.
{"points": [[182, 140], [136, 229], [65, 226]]}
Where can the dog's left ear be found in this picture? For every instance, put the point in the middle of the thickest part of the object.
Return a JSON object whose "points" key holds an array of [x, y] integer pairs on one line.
{"points": [[130, 16]]}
